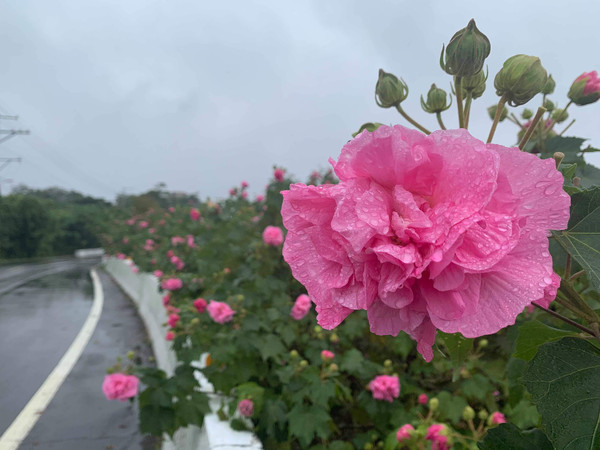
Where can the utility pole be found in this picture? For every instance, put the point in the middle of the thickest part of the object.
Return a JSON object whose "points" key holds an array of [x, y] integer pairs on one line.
{"points": [[3, 163], [10, 133]]}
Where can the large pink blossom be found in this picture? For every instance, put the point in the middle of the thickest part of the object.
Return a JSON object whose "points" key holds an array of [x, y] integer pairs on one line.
{"points": [[385, 387], [425, 233], [118, 386], [220, 312]]}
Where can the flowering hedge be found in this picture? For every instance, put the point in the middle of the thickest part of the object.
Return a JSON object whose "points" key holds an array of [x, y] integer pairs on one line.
{"points": [[486, 256]]}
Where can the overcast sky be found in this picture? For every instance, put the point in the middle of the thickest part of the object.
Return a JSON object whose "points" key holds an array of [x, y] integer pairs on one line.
{"points": [[122, 94]]}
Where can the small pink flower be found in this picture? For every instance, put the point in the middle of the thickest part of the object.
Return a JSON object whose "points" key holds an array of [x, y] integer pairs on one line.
{"points": [[435, 434], [327, 355], [244, 194], [273, 236], [125, 240], [245, 184], [227, 270], [175, 240], [121, 256], [246, 407], [194, 214], [158, 273], [172, 284], [423, 399], [135, 269], [151, 230], [301, 307], [278, 174], [498, 417], [143, 224], [118, 386], [166, 299], [170, 253], [220, 312], [260, 198], [190, 241], [255, 219], [153, 262], [162, 222], [385, 387], [405, 432], [171, 209], [172, 310], [232, 192], [170, 335], [173, 320], [200, 305], [130, 222]]}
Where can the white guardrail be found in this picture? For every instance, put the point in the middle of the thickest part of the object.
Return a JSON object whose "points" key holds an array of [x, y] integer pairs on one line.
{"points": [[215, 434]]}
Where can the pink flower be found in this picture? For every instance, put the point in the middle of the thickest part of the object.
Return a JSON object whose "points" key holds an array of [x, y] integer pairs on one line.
{"points": [[170, 253], [200, 305], [125, 240], [245, 184], [135, 269], [278, 174], [244, 194], [232, 192], [227, 270], [130, 222], [255, 219], [260, 198], [175, 240], [385, 387], [435, 434], [151, 230], [121, 256], [301, 307], [273, 236], [220, 312], [423, 399], [327, 355], [118, 386], [172, 284], [585, 89], [143, 224], [166, 299], [405, 432], [425, 233], [170, 336], [158, 273], [173, 320], [246, 407], [194, 214], [171, 209], [190, 241], [498, 417]]}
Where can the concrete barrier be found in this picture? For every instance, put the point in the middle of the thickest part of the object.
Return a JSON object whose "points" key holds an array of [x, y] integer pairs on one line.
{"points": [[215, 434]]}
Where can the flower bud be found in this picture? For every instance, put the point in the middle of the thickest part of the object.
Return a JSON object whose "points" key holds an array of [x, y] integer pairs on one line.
{"points": [[130, 355], [387, 363], [549, 86], [483, 414], [549, 105], [333, 367], [576, 181], [369, 126], [585, 89], [520, 79], [483, 343], [468, 413], [492, 112], [294, 354], [389, 90], [334, 338], [436, 100], [317, 329], [527, 114], [466, 52], [475, 85], [303, 363], [434, 404], [558, 157], [559, 115], [195, 321]]}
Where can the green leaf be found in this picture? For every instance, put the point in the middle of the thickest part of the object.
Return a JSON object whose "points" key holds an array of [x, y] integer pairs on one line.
{"points": [[458, 349], [352, 361], [564, 381], [252, 391], [534, 333], [477, 387], [582, 238], [570, 146], [308, 421], [507, 436], [157, 420], [270, 346], [451, 407], [192, 410]]}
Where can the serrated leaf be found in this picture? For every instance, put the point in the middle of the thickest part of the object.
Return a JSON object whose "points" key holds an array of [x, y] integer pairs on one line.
{"points": [[270, 346], [534, 333], [192, 410], [582, 237], [564, 381], [451, 407], [570, 146], [352, 361], [157, 420], [458, 349], [477, 387], [507, 436], [308, 421]]}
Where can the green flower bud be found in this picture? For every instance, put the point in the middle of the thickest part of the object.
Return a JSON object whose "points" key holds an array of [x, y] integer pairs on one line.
{"points": [[520, 79], [559, 115], [436, 100], [483, 343], [130, 355], [110, 370], [474, 84], [549, 86], [333, 367], [334, 338], [527, 114], [294, 354], [549, 105], [387, 363], [368, 446], [468, 413], [434, 404], [369, 126], [483, 414], [195, 321], [466, 52], [492, 112], [389, 90], [317, 329], [303, 363]]}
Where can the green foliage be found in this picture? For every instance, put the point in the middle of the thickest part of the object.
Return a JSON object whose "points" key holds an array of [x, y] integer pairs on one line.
{"points": [[507, 436], [534, 333], [564, 380]]}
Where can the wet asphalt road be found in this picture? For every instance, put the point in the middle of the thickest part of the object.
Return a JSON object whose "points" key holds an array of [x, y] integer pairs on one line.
{"points": [[39, 319]]}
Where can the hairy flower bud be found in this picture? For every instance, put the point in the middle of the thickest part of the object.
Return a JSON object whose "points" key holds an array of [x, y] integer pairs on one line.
{"points": [[475, 84], [549, 105], [559, 115], [434, 404], [468, 413], [483, 414], [436, 100], [520, 79], [549, 86], [492, 112], [527, 114], [466, 52], [389, 90], [585, 89]]}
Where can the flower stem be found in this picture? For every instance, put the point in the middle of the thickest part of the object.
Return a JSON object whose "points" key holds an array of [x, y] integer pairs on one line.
{"points": [[499, 110], [438, 115], [412, 121], [516, 121], [576, 275], [565, 319], [567, 127], [540, 112], [468, 109], [459, 103]]}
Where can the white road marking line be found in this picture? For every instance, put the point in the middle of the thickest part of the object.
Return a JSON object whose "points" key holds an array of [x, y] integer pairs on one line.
{"points": [[27, 418]]}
